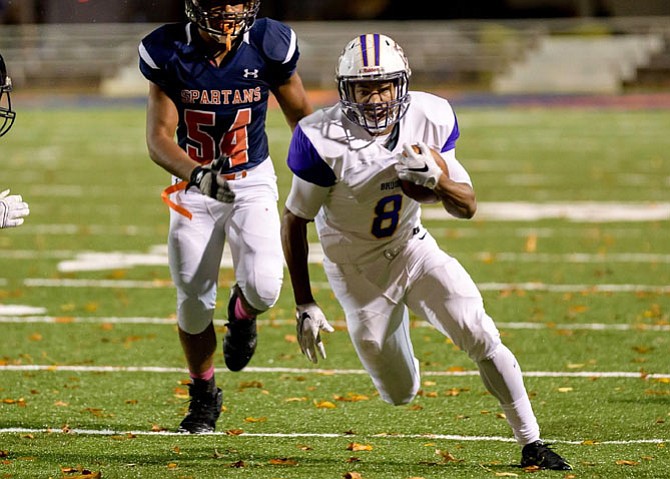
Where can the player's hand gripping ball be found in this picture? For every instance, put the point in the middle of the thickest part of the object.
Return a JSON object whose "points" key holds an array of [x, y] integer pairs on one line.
{"points": [[419, 169]]}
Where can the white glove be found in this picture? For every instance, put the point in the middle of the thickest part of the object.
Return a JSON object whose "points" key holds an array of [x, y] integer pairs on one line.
{"points": [[311, 321], [419, 168], [12, 210], [209, 181]]}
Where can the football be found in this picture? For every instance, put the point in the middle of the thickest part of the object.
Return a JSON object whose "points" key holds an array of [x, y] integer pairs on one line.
{"points": [[421, 193]]}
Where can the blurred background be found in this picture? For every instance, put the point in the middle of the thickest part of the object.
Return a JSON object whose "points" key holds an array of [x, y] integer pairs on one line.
{"points": [[495, 46]]}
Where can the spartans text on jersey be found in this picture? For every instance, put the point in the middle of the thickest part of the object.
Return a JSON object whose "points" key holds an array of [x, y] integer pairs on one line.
{"points": [[221, 97]]}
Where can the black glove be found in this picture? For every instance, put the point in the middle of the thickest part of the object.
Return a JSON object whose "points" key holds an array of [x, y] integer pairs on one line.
{"points": [[210, 182]]}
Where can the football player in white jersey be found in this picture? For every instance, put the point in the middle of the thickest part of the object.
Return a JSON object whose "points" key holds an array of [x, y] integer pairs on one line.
{"points": [[348, 162], [13, 209]]}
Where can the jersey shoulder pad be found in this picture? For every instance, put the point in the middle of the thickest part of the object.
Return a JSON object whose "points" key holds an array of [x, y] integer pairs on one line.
{"points": [[435, 109], [325, 130], [159, 44], [438, 116], [275, 40]]}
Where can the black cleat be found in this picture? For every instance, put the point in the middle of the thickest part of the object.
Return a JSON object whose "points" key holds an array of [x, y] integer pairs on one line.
{"points": [[203, 410], [239, 342], [540, 454]]}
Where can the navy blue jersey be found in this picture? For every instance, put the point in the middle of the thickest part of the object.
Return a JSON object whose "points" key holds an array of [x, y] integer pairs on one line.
{"points": [[222, 109]]}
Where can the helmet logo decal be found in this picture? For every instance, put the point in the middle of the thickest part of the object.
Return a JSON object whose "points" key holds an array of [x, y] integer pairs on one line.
{"points": [[364, 48]]}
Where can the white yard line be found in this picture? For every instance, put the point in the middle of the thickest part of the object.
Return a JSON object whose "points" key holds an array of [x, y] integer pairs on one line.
{"points": [[16, 318], [560, 288], [579, 211], [158, 257], [327, 372], [431, 437]]}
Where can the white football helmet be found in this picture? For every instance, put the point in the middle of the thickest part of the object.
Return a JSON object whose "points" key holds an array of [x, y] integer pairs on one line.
{"points": [[373, 57], [7, 115]]}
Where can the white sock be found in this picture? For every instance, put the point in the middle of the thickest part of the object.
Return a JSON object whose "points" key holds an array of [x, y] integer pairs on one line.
{"points": [[502, 377]]}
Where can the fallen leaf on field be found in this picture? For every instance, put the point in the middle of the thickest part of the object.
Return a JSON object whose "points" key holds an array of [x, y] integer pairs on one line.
{"points": [[565, 390], [446, 456], [352, 475], [531, 243], [238, 464], [295, 399], [352, 397], [589, 442], [291, 338], [251, 384], [623, 462], [354, 446], [80, 473], [506, 474], [234, 432], [284, 461], [255, 419], [324, 405], [172, 465]]}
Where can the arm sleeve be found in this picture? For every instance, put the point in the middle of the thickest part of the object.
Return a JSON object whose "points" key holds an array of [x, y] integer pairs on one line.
{"points": [[450, 144], [457, 171], [149, 64], [305, 199], [280, 47]]}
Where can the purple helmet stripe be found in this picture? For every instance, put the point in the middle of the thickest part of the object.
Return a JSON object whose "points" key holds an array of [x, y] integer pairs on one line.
{"points": [[364, 49], [377, 49]]}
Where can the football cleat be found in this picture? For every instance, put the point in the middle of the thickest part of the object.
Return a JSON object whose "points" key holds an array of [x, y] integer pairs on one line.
{"points": [[203, 410], [540, 454], [239, 342]]}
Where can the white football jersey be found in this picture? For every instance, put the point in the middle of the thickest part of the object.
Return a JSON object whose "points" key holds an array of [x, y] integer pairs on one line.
{"points": [[346, 181]]}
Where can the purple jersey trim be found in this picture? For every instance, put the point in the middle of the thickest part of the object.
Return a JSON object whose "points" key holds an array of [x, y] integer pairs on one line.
{"points": [[450, 144], [304, 161]]}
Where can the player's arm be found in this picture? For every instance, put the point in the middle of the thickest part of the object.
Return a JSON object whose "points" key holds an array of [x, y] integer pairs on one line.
{"points": [[455, 190], [305, 199], [162, 121], [293, 100], [296, 251]]}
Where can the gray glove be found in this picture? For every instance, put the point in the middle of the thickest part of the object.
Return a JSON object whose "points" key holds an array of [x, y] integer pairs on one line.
{"points": [[12, 210], [311, 321], [210, 182]]}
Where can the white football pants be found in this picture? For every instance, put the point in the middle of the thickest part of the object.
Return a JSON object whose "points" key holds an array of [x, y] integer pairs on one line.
{"points": [[251, 227], [435, 286]]}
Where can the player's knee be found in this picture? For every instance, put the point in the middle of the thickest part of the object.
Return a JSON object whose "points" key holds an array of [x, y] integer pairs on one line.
{"points": [[194, 315], [261, 295], [370, 349]]}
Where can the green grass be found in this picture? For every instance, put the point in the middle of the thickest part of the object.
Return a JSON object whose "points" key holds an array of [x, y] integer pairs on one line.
{"points": [[92, 188]]}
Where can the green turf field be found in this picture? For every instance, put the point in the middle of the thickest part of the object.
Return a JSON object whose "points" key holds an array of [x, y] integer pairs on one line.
{"points": [[571, 248]]}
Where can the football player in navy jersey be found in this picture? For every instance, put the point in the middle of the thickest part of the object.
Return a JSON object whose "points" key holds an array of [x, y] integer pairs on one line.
{"points": [[349, 162], [13, 209], [210, 79]]}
